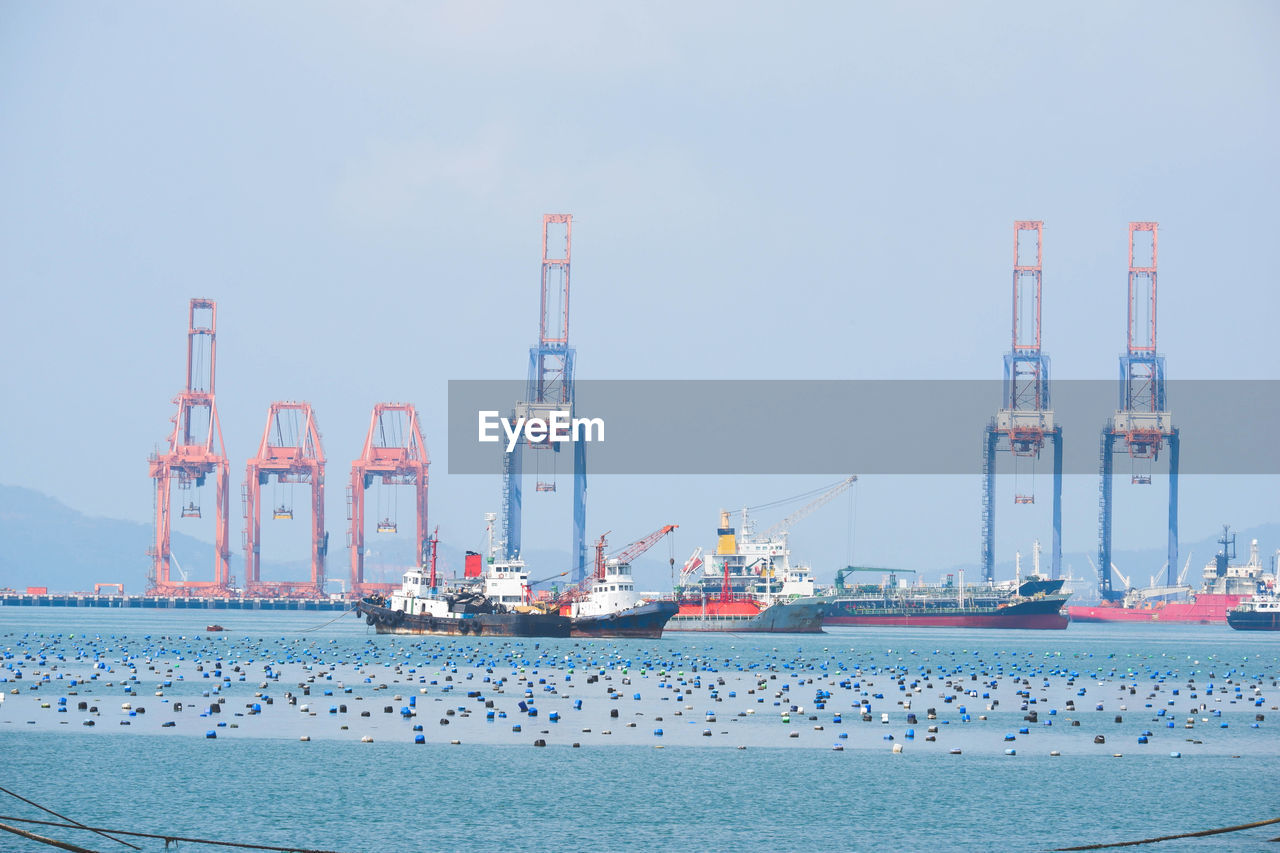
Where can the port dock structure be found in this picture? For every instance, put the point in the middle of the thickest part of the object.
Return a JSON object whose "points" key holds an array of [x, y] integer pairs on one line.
{"points": [[550, 387], [1142, 425], [233, 601], [291, 453], [195, 452], [1025, 421], [395, 455]]}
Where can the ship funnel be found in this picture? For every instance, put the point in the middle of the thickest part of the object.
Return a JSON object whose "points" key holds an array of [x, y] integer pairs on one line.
{"points": [[727, 542]]}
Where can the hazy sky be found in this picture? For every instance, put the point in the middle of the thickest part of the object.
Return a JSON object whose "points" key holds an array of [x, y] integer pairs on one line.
{"points": [[819, 190]]}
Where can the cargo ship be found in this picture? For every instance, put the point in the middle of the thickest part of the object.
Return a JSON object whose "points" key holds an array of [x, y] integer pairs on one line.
{"points": [[1224, 586], [493, 600], [1035, 603], [748, 585], [607, 604]]}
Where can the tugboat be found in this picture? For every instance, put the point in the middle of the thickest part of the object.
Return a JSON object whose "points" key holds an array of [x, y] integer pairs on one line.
{"points": [[1262, 612], [607, 605], [494, 602]]}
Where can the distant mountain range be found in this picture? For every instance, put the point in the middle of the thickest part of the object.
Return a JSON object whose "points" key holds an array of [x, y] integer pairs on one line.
{"points": [[46, 543], [43, 542]]}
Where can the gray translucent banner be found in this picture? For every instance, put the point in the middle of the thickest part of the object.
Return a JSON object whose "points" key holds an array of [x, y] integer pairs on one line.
{"points": [[858, 426]]}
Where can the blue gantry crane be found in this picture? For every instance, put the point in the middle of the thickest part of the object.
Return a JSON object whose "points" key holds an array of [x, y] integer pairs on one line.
{"points": [[550, 387], [1025, 421], [1142, 425]]}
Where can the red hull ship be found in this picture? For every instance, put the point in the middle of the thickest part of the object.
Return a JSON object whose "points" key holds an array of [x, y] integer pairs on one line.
{"points": [[1204, 609], [1224, 587]]}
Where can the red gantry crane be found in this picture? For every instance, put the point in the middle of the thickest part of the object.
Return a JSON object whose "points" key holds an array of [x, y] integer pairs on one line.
{"points": [[195, 451], [394, 453], [291, 452]]}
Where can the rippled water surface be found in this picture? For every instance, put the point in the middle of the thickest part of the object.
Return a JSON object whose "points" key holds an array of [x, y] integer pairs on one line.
{"points": [[749, 736]]}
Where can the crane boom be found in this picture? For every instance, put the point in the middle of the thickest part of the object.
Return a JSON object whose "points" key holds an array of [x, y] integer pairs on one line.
{"points": [[786, 523], [635, 549], [628, 552]]}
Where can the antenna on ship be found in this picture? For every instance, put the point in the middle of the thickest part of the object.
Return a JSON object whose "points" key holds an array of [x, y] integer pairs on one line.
{"points": [[489, 519]]}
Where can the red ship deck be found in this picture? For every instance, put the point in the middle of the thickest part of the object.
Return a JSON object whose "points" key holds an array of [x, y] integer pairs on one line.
{"points": [[1207, 609]]}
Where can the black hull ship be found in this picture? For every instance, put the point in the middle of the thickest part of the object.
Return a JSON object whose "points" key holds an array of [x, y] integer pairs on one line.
{"points": [[468, 615]]}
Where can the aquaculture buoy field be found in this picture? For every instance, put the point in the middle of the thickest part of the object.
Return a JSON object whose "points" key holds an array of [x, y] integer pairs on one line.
{"points": [[289, 729]]}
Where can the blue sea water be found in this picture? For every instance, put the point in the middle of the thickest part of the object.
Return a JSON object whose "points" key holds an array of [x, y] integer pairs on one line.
{"points": [[495, 791]]}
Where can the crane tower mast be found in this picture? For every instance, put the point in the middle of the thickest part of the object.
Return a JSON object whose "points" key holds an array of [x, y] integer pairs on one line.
{"points": [[550, 387], [194, 453]]}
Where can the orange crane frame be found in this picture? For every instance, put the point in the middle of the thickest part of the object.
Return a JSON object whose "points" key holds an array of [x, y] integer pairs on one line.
{"points": [[396, 460], [191, 458], [292, 456]]}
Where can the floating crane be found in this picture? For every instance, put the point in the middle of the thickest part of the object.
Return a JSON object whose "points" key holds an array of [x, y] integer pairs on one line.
{"points": [[1142, 425], [550, 387], [195, 451], [629, 552], [1025, 421], [623, 556]]}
